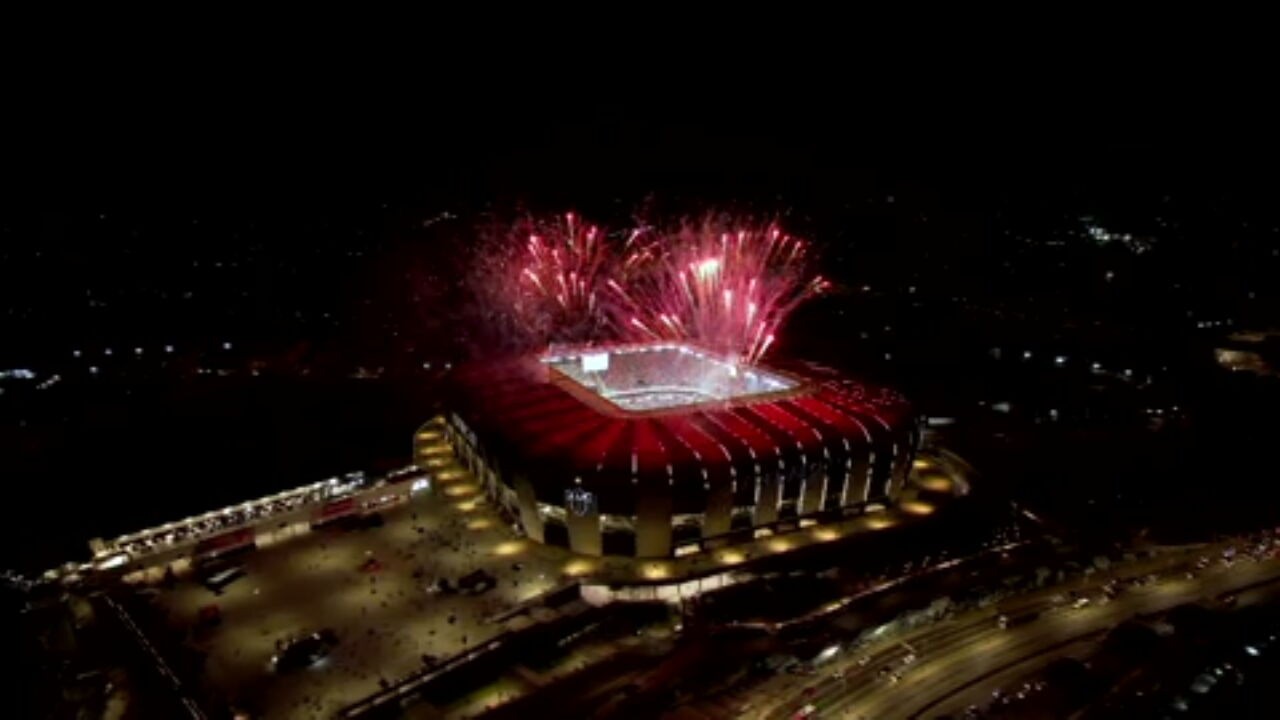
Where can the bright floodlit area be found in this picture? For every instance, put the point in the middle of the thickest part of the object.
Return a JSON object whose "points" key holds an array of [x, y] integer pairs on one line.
{"points": [[660, 376], [374, 588]]}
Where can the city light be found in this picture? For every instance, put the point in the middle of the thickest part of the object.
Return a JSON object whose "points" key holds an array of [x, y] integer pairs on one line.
{"points": [[879, 522], [935, 482], [460, 489], [655, 571], [578, 567], [916, 507], [779, 544], [826, 534], [113, 561], [731, 557], [510, 547]]}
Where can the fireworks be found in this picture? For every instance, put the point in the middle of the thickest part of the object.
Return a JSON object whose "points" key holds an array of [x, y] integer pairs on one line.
{"points": [[724, 285], [537, 282], [563, 262]]}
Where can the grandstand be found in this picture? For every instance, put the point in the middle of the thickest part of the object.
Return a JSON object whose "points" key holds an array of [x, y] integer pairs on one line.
{"points": [[657, 377]]}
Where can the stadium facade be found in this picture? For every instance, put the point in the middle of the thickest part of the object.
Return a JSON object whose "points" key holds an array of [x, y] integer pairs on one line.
{"points": [[660, 449]]}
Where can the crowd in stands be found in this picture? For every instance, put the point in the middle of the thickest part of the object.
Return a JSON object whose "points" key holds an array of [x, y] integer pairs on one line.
{"points": [[649, 378]]}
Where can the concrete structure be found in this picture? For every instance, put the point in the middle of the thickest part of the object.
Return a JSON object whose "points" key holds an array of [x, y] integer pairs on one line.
{"points": [[662, 449]]}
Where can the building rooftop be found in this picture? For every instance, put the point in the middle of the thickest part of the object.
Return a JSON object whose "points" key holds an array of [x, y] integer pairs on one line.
{"points": [[563, 424]]}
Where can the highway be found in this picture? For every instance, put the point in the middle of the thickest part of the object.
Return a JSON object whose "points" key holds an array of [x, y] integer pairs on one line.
{"points": [[971, 652]]}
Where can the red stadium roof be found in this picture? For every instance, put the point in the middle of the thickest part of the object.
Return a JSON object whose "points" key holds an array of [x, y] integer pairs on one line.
{"points": [[534, 420]]}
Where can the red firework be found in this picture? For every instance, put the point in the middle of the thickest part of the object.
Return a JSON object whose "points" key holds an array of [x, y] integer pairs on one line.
{"points": [[727, 286], [722, 284], [560, 267]]}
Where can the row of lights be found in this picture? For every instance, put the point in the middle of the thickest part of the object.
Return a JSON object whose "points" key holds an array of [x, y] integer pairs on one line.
{"points": [[1061, 361], [168, 349]]}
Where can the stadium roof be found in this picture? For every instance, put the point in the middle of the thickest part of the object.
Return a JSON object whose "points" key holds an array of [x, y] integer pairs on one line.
{"points": [[530, 418]]}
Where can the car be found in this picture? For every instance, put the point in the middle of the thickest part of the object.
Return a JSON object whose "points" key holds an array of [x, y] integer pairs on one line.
{"points": [[808, 711], [303, 652], [216, 577], [477, 582]]}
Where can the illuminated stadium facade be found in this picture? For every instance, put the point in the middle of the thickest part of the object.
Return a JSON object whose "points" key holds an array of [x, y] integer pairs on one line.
{"points": [[659, 449]]}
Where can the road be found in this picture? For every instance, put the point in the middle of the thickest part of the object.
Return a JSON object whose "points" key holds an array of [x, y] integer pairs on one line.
{"points": [[779, 692], [971, 650]]}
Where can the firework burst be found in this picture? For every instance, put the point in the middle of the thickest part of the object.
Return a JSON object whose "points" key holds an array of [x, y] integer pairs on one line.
{"points": [[558, 270], [723, 284]]}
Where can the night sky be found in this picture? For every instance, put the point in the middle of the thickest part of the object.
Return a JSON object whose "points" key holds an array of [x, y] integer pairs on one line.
{"points": [[233, 127]]}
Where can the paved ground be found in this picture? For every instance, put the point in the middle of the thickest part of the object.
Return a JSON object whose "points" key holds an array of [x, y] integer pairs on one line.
{"points": [[569, 668], [385, 620], [965, 657], [980, 693]]}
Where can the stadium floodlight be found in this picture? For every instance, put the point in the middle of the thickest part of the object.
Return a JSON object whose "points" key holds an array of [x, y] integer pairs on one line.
{"points": [[595, 362]]}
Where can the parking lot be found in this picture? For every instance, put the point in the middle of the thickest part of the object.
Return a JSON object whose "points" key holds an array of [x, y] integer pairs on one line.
{"points": [[376, 588]]}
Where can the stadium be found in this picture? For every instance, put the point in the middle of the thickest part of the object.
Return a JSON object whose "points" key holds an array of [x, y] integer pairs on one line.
{"points": [[664, 449]]}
